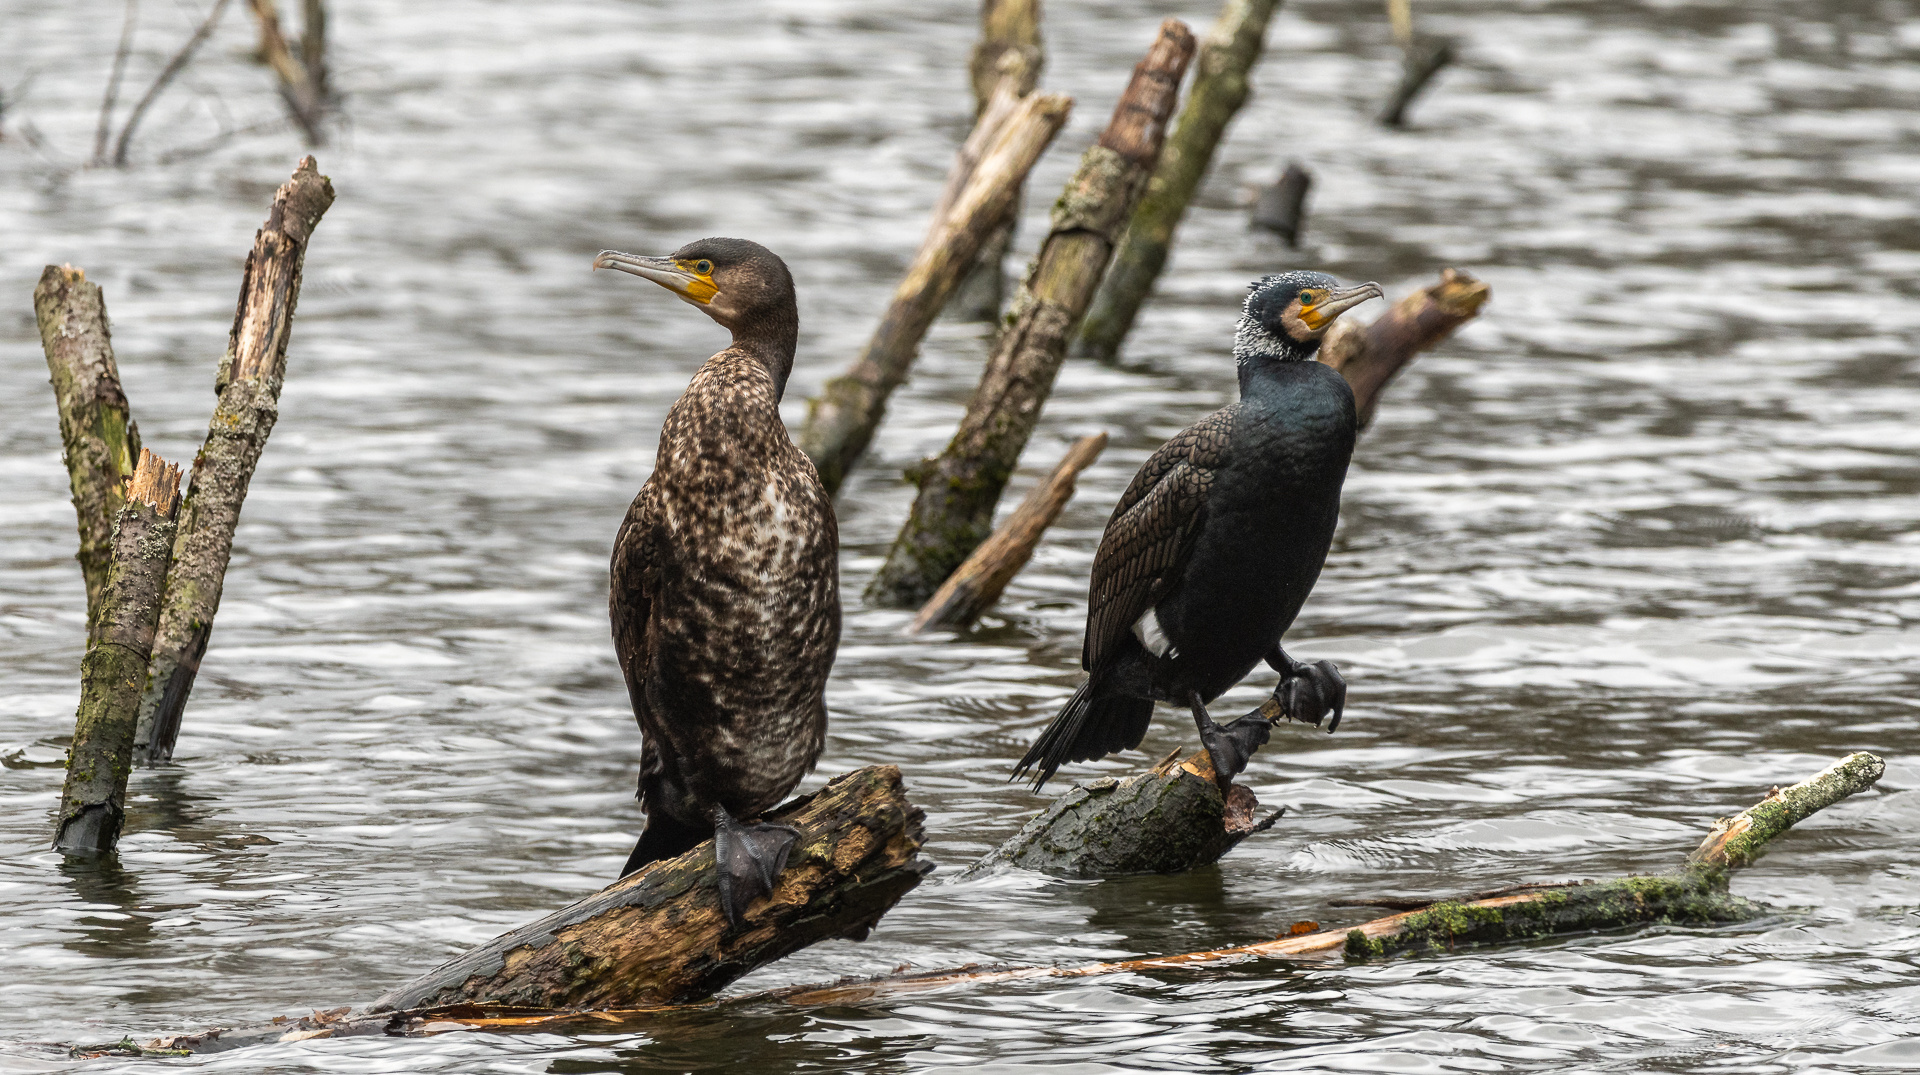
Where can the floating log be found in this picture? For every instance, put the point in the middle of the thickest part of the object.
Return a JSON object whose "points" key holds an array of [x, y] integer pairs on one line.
{"points": [[1282, 207], [1008, 141], [1009, 37], [1221, 75], [249, 395], [98, 438], [1167, 820], [1369, 357], [953, 513], [301, 71], [977, 583], [93, 800]]}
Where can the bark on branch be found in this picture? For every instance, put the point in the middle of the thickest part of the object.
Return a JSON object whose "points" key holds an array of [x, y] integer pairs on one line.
{"points": [[953, 513], [97, 434], [1009, 42], [982, 190], [249, 395], [93, 800], [1370, 356], [1220, 80], [976, 584]]}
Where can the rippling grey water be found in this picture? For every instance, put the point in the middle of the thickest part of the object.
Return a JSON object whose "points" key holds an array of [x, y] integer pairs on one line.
{"points": [[1636, 545]]}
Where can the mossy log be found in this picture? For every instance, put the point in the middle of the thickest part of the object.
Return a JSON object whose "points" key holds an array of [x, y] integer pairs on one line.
{"points": [[1222, 71], [977, 583], [953, 512], [982, 189], [93, 800], [99, 441], [1166, 820], [248, 386], [1370, 356]]}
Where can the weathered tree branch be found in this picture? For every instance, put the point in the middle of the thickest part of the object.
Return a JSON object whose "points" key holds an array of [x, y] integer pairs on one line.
{"points": [[1009, 140], [1220, 82], [249, 388], [93, 800], [977, 583], [953, 513], [302, 76], [1369, 357], [1420, 60], [1009, 41], [97, 432]]}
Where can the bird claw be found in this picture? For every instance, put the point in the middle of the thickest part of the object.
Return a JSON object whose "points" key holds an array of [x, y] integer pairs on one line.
{"points": [[1311, 692], [1231, 746], [747, 859]]}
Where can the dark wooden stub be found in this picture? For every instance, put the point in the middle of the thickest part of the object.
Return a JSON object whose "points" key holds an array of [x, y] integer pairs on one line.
{"points": [[959, 490], [1282, 207], [1420, 60], [249, 402]]}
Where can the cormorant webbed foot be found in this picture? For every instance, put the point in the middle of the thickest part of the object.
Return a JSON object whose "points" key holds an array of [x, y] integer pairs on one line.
{"points": [[746, 860], [1230, 747], [1311, 691]]}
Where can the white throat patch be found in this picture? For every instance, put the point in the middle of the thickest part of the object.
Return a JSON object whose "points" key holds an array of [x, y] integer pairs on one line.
{"points": [[1252, 340]]}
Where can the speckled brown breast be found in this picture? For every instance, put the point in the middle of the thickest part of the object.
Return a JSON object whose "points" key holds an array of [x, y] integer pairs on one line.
{"points": [[725, 601]]}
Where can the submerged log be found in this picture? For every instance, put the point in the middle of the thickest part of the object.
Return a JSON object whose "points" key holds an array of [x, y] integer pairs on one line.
{"points": [[249, 395], [1166, 820], [976, 584], [98, 438], [1221, 74], [953, 512], [1370, 356], [982, 189], [1282, 207], [93, 799]]}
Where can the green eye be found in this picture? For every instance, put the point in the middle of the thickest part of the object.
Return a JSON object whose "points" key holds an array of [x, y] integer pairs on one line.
{"points": [[703, 266], [1306, 298]]}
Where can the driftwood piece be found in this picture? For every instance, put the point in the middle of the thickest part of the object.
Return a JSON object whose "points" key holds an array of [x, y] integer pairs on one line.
{"points": [[1012, 136], [977, 583], [1282, 207], [1695, 893], [301, 67], [98, 438], [249, 396], [1221, 74], [1009, 41], [1166, 820], [1369, 357], [953, 512], [93, 800]]}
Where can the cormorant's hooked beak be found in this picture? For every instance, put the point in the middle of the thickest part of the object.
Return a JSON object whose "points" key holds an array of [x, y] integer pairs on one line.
{"points": [[666, 272], [1322, 313]]}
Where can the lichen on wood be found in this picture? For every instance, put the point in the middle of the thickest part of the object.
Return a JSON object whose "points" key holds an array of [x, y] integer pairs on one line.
{"points": [[248, 385], [959, 490], [99, 441], [1222, 71]]}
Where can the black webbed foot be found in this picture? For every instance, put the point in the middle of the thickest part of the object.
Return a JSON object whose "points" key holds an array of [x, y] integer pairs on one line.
{"points": [[747, 859], [1232, 746], [1310, 692]]}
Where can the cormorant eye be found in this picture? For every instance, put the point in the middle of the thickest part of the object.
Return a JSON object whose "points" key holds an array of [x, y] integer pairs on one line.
{"points": [[1306, 298], [703, 266]]}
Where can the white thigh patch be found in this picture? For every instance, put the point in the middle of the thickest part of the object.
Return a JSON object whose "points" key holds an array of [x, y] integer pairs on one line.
{"points": [[1147, 630]]}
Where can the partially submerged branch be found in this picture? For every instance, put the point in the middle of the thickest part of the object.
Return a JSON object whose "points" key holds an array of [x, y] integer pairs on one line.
{"points": [[1370, 356], [1009, 41], [249, 387], [1282, 207], [302, 73]]}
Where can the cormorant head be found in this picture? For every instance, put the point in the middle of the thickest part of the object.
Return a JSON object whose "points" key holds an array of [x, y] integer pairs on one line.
{"points": [[1287, 314], [741, 284]]}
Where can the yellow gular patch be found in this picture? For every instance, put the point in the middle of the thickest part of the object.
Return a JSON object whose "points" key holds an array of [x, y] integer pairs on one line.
{"points": [[1310, 314], [700, 289]]}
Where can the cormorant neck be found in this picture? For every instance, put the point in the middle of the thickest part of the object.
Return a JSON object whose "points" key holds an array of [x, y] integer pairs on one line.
{"points": [[771, 337], [1257, 348]]}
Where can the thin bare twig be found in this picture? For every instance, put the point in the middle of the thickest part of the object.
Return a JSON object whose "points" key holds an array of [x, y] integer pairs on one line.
{"points": [[104, 131], [167, 73]]}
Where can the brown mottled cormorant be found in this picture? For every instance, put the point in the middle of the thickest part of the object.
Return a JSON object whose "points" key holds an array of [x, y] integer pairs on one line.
{"points": [[1214, 546], [726, 583]]}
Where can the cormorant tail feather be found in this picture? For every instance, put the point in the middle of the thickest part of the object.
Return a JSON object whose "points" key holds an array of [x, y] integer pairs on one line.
{"points": [[1087, 728]]}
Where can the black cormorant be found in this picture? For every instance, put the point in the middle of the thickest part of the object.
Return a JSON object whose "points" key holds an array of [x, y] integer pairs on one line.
{"points": [[1214, 546], [725, 592]]}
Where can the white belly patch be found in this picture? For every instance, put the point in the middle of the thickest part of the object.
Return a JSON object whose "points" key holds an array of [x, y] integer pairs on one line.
{"points": [[1147, 630]]}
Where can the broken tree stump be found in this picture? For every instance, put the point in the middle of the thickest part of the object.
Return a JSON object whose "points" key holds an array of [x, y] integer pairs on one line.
{"points": [[657, 936], [93, 799], [1370, 356], [953, 512], [1168, 819], [99, 441], [249, 402], [1282, 207], [1222, 71], [977, 583], [1009, 140]]}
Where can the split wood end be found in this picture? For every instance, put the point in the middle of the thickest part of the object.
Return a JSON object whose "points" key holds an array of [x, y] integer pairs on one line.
{"points": [[155, 483]]}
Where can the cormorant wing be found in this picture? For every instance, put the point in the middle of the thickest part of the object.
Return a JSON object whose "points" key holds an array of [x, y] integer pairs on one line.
{"points": [[630, 594], [1151, 533]]}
